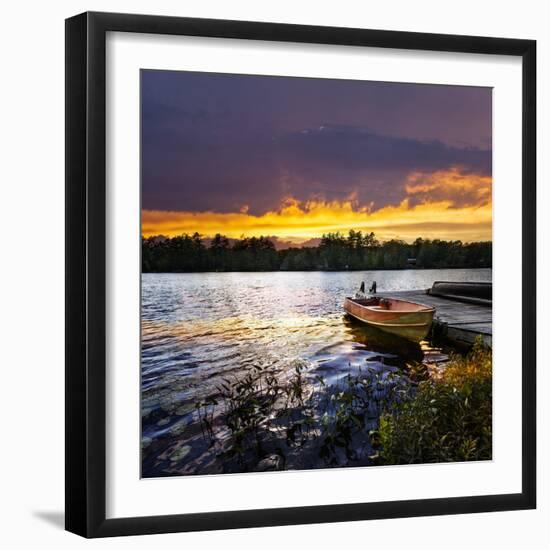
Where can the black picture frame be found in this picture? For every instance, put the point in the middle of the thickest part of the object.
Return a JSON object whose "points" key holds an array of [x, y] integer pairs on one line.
{"points": [[86, 274]]}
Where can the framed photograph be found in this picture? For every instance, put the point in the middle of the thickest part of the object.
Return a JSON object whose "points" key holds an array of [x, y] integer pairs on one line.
{"points": [[300, 274]]}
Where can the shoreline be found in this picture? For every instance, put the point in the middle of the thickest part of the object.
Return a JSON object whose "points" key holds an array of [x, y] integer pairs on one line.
{"points": [[319, 270]]}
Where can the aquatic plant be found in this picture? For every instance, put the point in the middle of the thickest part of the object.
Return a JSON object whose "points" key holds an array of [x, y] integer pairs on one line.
{"points": [[353, 408], [370, 417], [206, 410], [259, 410]]}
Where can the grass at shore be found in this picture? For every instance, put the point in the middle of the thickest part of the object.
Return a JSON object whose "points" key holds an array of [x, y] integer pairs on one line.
{"points": [[448, 420]]}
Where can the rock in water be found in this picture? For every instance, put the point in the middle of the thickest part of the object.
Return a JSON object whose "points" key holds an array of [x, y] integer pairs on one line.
{"points": [[269, 463]]}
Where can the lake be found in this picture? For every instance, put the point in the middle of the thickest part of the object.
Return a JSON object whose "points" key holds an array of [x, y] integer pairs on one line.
{"points": [[201, 328]]}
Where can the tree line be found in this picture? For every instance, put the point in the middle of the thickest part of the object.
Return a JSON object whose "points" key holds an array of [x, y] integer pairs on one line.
{"points": [[336, 251]]}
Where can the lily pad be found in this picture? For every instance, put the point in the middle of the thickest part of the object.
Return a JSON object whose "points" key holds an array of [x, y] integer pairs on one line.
{"points": [[180, 453]]}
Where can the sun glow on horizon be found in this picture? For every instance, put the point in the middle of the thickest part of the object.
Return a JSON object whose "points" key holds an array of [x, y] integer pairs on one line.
{"points": [[445, 205]]}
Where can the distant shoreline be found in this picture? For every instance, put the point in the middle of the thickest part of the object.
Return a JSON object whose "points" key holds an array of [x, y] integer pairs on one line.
{"points": [[318, 270], [335, 252]]}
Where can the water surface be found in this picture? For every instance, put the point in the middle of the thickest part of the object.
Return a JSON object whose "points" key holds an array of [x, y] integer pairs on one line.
{"points": [[198, 328]]}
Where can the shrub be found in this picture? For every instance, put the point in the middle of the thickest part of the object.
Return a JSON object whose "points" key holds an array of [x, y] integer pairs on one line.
{"points": [[449, 419]]}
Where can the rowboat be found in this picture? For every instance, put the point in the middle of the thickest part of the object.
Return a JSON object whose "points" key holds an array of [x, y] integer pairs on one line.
{"points": [[400, 317]]}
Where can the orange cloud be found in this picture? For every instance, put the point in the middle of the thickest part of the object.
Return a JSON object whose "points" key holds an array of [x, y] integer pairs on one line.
{"points": [[445, 205], [461, 189]]}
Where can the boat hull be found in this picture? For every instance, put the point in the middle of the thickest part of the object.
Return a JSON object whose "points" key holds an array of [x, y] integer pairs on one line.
{"points": [[404, 319]]}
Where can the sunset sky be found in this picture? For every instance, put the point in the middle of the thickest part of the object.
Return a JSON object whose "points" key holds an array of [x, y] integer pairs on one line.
{"points": [[293, 158]]}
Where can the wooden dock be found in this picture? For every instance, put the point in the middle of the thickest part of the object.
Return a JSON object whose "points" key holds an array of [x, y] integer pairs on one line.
{"points": [[457, 321]]}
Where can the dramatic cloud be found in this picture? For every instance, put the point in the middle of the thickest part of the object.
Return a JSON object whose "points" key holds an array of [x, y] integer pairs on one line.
{"points": [[327, 162], [332, 161], [299, 222], [254, 154], [355, 149], [453, 186]]}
